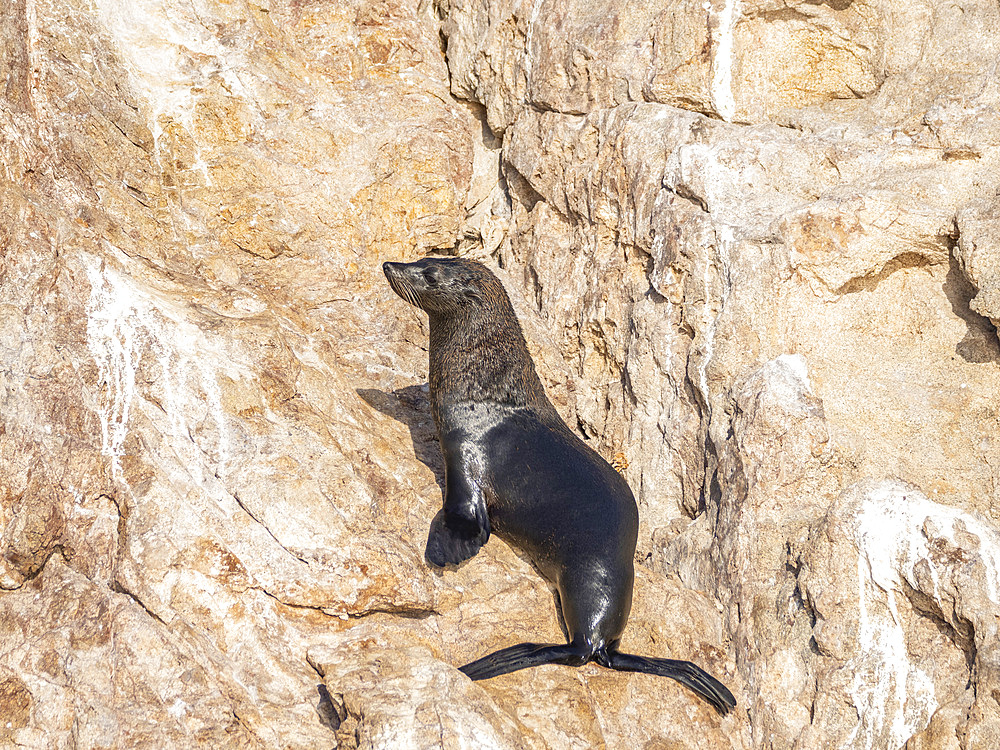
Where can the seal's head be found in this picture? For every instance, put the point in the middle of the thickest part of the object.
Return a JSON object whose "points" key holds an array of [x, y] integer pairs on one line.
{"points": [[442, 286], [477, 351]]}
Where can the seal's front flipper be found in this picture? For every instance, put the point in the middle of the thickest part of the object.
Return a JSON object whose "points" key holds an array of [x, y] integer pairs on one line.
{"points": [[522, 656], [684, 672], [455, 538], [463, 525]]}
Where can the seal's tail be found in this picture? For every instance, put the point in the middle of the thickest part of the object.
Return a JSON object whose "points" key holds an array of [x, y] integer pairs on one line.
{"points": [[525, 655], [686, 673]]}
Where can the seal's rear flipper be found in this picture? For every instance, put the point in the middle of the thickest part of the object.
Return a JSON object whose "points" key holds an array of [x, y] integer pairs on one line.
{"points": [[684, 672], [522, 656], [453, 539]]}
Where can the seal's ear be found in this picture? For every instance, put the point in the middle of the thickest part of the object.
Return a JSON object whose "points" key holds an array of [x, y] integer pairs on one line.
{"points": [[473, 293]]}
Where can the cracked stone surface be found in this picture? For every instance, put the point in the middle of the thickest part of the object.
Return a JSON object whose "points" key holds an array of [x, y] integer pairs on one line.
{"points": [[754, 249]]}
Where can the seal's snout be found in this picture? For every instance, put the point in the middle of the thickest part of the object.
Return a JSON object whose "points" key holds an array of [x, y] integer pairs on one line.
{"points": [[397, 275]]}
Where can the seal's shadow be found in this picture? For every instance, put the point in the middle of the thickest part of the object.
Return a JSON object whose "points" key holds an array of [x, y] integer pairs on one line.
{"points": [[411, 406]]}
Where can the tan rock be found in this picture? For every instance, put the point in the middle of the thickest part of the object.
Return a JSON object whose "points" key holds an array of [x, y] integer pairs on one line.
{"points": [[752, 245], [401, 697], [175, 453]]}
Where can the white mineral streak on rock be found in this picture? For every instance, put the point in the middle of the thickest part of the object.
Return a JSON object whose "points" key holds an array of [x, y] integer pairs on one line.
{"points": [[529, 53], [722, 58], [697, 169], [892, 536], [112, 337], [125, 322], [191, 364], [152, 34], [787, 383], [888, 690], [884, 678], [158, 42], [177, 709], [796, 365]]}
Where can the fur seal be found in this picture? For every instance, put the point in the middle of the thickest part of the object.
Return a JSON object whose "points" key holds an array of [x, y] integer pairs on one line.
{"points": [[513, 467]]}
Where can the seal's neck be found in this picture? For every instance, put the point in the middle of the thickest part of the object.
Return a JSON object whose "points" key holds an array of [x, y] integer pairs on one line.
{"points": [[479, 355]]}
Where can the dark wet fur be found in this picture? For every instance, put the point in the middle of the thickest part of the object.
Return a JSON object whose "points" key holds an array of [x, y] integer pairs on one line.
{"points": [[514, 468]]}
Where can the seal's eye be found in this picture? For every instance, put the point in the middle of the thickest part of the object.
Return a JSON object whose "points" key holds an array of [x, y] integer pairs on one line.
{"points": [[431, 276]]}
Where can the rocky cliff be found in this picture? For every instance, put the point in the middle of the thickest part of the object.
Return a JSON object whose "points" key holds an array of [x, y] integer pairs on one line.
{"points": [[755, 247]]}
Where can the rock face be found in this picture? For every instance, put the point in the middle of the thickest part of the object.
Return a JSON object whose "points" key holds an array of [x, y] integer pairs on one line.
{"points": [[754, 247]]}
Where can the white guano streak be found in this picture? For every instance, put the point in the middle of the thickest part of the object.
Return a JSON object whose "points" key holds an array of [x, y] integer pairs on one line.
{"points": [[528, 42], [888, 691], [125, 321], [111, 337], [722, 61], [167, 55]]}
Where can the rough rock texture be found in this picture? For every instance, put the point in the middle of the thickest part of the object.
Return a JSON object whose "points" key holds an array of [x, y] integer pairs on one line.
{"points": [[754, 246]]}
